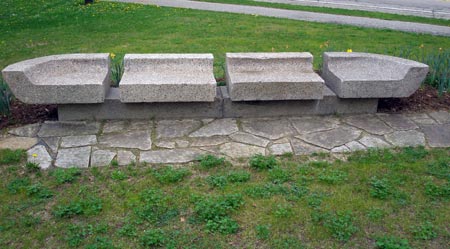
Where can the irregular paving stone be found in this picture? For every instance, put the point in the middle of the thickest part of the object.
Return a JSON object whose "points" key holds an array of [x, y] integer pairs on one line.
{"points": [[437, 135], [280, 149], [39, 155], [238, 150], [208, 141], [268, 128], [373, 142], [406, 138], [355, 146], [182, 143], [113, 126], [340, 149], [369, 123], [73, 157], [398, 121], [131, 140], [26, 131], [442, 117], [77, 141], [207, 120], [18, 143], [331, 138], [170, 156], [61, 129], [125, 157], [165, 144], [246, 138], [140, 125], [102, 157], [52, 143], [218, 127], [176, 128], [313, 124], [421, 118], [302, 148]]}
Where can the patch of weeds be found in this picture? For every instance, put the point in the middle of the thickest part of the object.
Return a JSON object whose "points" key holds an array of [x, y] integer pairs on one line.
{"points": [[401, 198], [296, 192], [32, 167], [278, 175], [76, 234], [412, 154], [169, 174], [115, 163], [128, 230], [376, 214], [287, 155], [380, 188], [90, 206], [340, 224], [283, 211], [319, 164], [440, 168], [153, 238], [30, 220], [436, 191], [371, 156], [211, 161], [267, 190], [223, 225], [333, 176], [8, 156], [426, 231], [262, 232], [118, 175], [391, 242], [101, 243], [261, 162], [66, 175], [287, 242], [314, 200], [18, 185], [39, 191], [238, 176], [217, 181], [156, 207]]}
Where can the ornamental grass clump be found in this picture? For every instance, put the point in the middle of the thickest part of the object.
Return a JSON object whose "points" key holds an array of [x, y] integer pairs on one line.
{"points": [[5, 98]]}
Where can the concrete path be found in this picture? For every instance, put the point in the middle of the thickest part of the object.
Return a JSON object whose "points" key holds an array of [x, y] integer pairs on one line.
{"points": [[85, 144], [425, 8], [301, 15]]}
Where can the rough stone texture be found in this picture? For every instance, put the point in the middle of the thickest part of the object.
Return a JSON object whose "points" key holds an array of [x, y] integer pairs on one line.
{"points": [[16, 143], [421, 118], [269, 128], [176, 128], [168, 78], [131, 139], [238, 150], [182, 143], [38, 154], [60, 79], [313, 124], [398, 121], [373, 142], [113, 126], [170, 156], [369, 123], [208, 141], [26, 131], [102, 158], [73, 157], [442, 117], [60, 129], [406, 138], [52, 143], [302, 148], [246, 138], [280, 149], [272, 76], [437, 135], [331, 138], [165, 144], [77, 141], [140, 125], [355, 146], [125, 157], [219, 127], [364, 75], [340, 149]]}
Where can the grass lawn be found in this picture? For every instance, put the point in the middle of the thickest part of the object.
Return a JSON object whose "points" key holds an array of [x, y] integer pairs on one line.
{"points": [[337, 11], [375, 199]]}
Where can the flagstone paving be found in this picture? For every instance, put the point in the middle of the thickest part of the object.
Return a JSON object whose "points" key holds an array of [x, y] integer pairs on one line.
{"points": [[84, 144]]}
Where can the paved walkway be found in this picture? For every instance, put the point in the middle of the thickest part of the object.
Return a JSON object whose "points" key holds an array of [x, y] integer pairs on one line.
{"points": [[426, 8], [84, 144], [301, 15]]}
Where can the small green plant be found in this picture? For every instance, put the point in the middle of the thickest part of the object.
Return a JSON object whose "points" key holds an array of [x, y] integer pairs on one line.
{"points": [[128, 230], [155, 207], [376, 214], [116, 69], [118, 175], [333, 176], [426, 231], [30, 220], [101, 243], [279, 175], [440, 168], [66, 175], [319, 164], [18, 185], [238, 176], [261, 162], [340, 225], [115, 163], [169, 174], [283, 211], [391, 242], [8, 156], [267, 190], [90, 206], [32, 167], [76, 234], [217, 181], [314, 200], [5, 99], [223, 225], [153, 238], [39, 191], [436, 191], [211, 161], [262, 232], [380, 188]]}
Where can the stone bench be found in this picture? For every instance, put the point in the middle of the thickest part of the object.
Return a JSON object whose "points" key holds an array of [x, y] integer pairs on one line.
{"points": [[363, 75], [272, 76], [60, 79], [168, 78]]}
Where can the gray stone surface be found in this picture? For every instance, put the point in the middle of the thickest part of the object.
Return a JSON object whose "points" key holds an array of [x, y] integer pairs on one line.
{"points": [[176, 128], [140, 125], [364, 75], [26, 131], [313, 124], [406, 138], [73, 157], [60, 129], [170, 156], [268, 128], [238, 150], [39, 155], [102, 158], [247, 138], [302, 148], [421, 118], [340, 149], [114, 126], [125, 157], [208, 141], [16, 143], [373, 142], [52, 143], [78, 141], [331, 138], [280, 149], [355, 146], [398, 121], [272, 76], [181, 143], [442, 117], [139, 139], [165, 144], [369, 123], [168, 78], [218, 127], [437, 135], [60, 79]]}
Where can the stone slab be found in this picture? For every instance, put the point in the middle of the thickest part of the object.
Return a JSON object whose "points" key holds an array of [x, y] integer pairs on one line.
{"points": [[311, 124], [442, 117], [218, 127], [78, 141], [131, 140], [102, 158], [355, 146], [398, 121], [73, 157], [247, 138], [111, 126], [371, 141], [302, 148], [176, 128], [39, 155], [25, 131], [331, 138], [406, 138], [280, 149], [268, 128], [238, 150], [18, 143], [170, 156], [52, 143], [168, 78], [272, 76], [369, 123], [437, 135], [364, 75], [208, 141], [60, 129], [125, 157]]}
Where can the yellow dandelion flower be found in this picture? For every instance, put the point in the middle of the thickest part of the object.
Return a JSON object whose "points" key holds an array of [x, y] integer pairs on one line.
{"points": [[421, 46], [112, 55], [349, 50], [34, 155]]}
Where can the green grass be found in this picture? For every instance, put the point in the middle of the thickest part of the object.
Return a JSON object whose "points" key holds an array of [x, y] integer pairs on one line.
{"points": [[337, 11], [374, 199]]}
